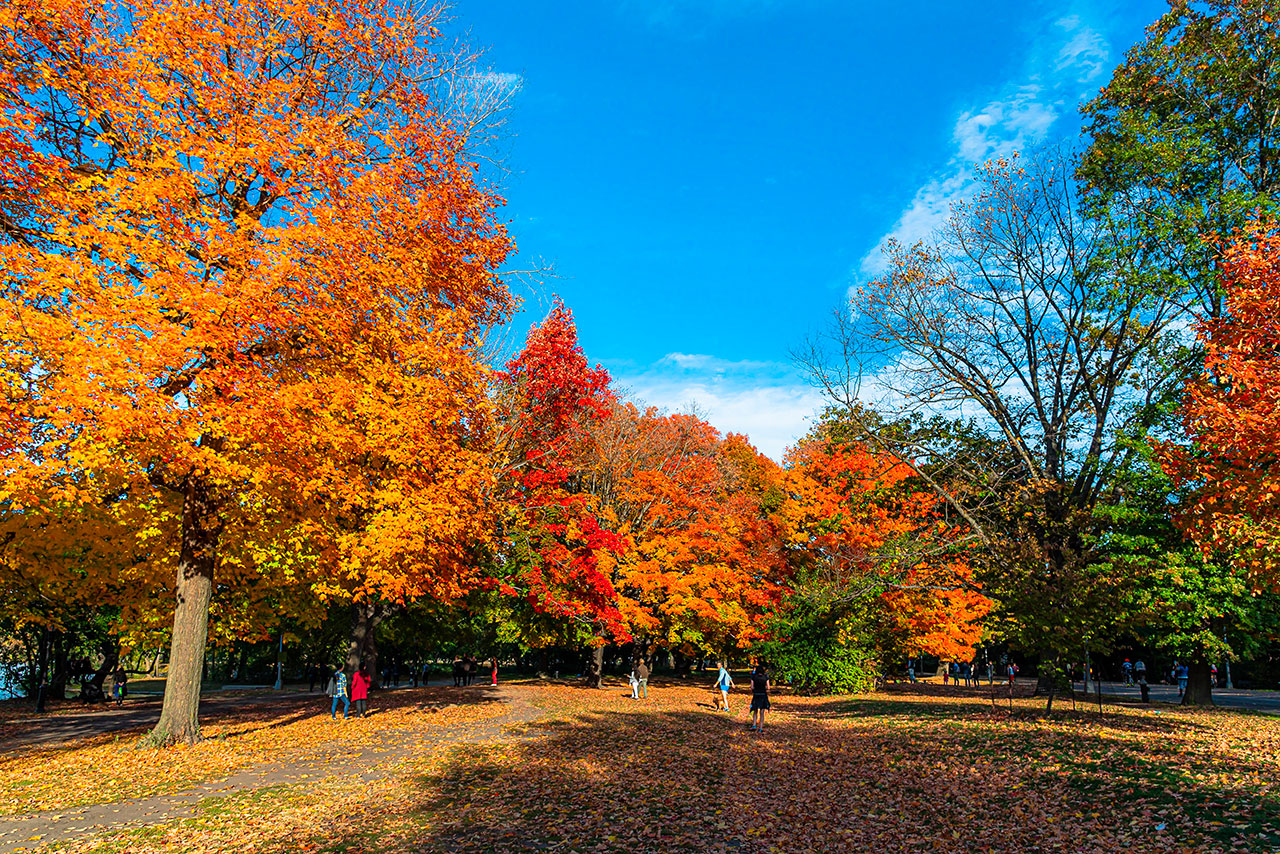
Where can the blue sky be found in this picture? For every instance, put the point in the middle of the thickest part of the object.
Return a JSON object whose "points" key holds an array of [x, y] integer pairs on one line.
{"points": [[707, 179]]}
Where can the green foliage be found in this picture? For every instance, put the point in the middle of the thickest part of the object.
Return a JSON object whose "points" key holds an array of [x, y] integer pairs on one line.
{"points": [[818, 651]]}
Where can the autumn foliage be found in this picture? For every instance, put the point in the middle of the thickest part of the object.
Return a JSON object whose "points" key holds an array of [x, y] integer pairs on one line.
{"points": [[247, 268], [1232, 415]]}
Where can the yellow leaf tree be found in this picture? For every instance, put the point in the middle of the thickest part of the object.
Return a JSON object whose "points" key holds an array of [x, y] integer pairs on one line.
{"points": [[247, 265]]}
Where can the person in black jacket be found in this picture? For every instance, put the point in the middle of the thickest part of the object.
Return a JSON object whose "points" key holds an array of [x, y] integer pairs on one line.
{"points": [[759, 697]]}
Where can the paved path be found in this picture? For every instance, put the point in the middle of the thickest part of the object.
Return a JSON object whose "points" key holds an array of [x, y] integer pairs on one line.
{"points": [[1261, 701], [23, 831]]}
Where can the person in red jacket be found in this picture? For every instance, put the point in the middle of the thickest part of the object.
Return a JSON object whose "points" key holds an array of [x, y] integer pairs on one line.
{"points": [[360, 690], [494, 666]]}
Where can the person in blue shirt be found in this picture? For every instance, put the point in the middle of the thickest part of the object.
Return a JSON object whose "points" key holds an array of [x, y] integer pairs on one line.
{"points": [[1180, 672], [724, 682]]}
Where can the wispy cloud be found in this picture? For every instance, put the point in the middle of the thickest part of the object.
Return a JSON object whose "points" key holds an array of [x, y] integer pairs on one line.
{"points": [[1085, 55], [1022, 115], [765, 400]]}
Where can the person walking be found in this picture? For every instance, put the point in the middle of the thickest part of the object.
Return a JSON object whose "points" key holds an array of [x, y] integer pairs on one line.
{"points": [[635, 684], [724, 682], [360, 690], [642, 678], [759, 697], [338, 691], [1140, 670], [119, 685], [1181, 672], [493, 671]]}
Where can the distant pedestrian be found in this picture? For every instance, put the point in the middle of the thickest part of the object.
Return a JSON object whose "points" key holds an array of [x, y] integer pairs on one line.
{"points": [[946, 674], [911, 671], [459, 672], [493, 671], [642, 678], [468, 669], [1140, 670], [337, 689], [759, 697], [1012, 671], [635, 685], [724, 682], [1126, 671], [1181, 672], [360, 690], [119, 685]]}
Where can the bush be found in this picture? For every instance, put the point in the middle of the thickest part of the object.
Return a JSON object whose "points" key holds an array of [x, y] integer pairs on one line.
{"points": [[819, 653]]}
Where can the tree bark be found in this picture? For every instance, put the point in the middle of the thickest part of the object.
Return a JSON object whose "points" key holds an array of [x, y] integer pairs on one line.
{"points": [[93, 690], [1199, 685], [58, 681], [362, 648], [179, 716], [595, 668]]}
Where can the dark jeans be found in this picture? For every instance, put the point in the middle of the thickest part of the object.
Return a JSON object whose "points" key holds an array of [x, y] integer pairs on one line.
{"points": [[360, 707]]}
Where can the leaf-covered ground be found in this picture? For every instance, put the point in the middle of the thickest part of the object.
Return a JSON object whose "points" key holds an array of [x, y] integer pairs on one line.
{"points": [[298, 733], [902, 770]]}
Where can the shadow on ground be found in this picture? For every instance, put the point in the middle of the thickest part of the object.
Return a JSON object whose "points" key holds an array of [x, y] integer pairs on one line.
{"points": [[693, 781]]}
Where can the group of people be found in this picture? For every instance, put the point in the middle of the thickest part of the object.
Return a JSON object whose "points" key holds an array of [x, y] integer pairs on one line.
{"points": [[760, 685], [344, 692], [466, 667], [963, 671]]}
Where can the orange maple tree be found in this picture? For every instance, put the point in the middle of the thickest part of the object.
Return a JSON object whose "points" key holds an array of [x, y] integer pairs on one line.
{"points": [[854, 520], [1232, 415], [247, 268], [704, 564]]}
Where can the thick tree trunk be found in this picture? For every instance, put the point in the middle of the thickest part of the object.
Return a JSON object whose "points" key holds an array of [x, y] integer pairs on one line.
{"points": [[595, 668], [179, 716], [362, 648], [1199, 685]]}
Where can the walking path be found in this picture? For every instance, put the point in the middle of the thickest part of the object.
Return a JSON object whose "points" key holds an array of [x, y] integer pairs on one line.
{"points": [[18, 832]]}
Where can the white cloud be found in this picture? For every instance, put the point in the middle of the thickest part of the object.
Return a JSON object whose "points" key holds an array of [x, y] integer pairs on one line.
{"points": [[764, 400], [1023, 115], [1085, 55]]}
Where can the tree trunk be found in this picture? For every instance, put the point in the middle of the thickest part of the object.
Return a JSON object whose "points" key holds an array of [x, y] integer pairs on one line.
{"points": [[362, 648], [58, 681], [595, 668], [93, 690], [242, 658], [1199, 685], [179, 716], [42, 670]]}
